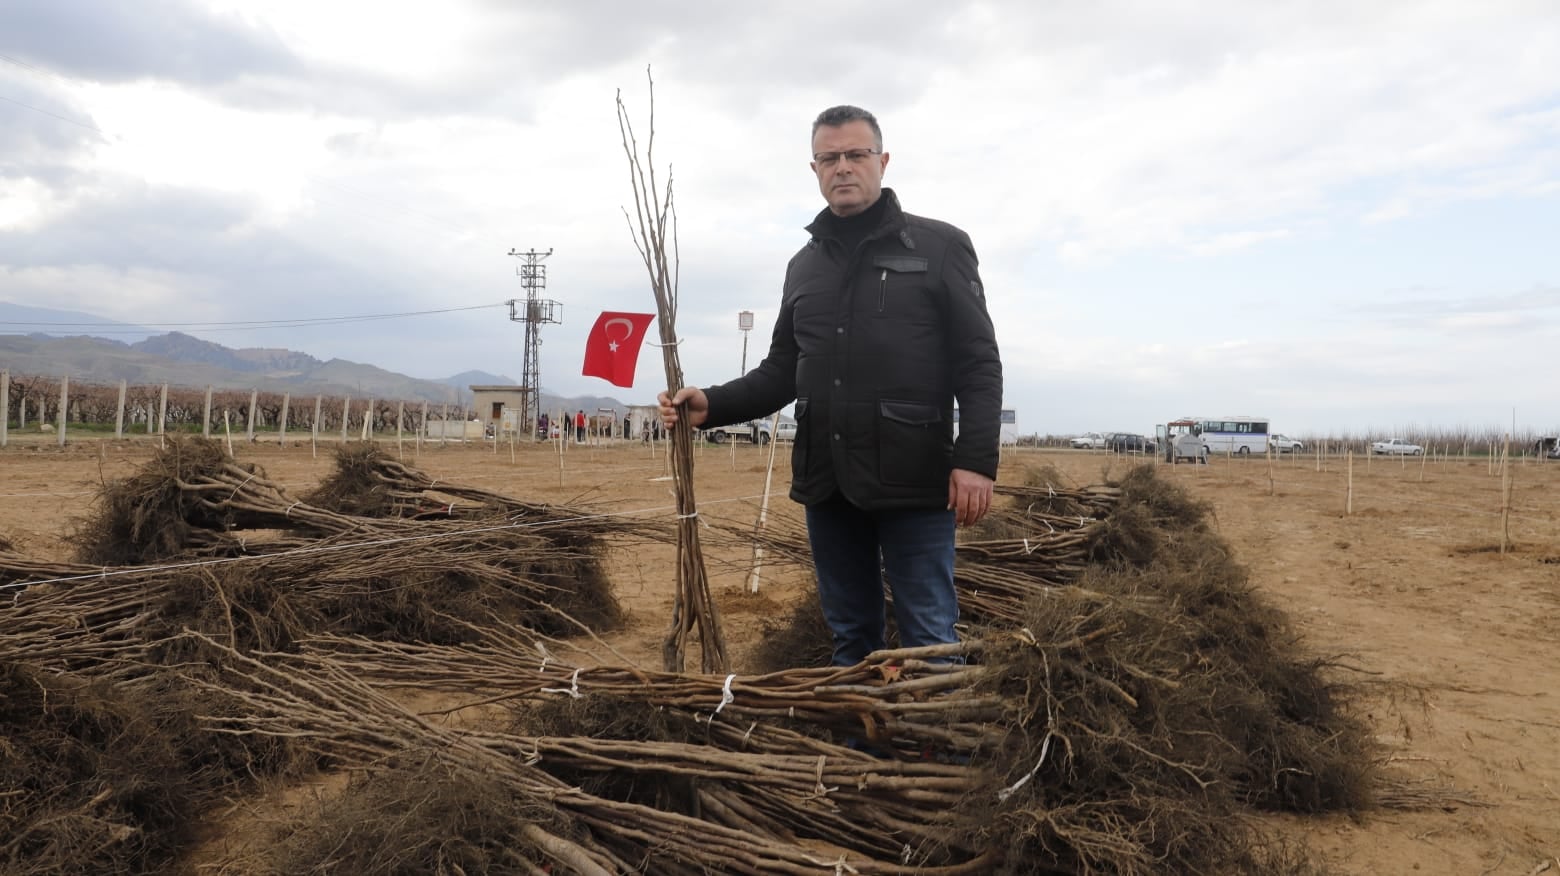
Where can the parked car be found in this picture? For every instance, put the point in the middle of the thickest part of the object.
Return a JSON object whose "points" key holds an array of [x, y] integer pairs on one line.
{"points": [[1285, 444], [1088, 441], [785, 432], [1126, 442], [1396, 447]]}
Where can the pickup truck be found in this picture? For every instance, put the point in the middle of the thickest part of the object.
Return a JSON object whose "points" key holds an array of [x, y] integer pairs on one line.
{"points": [[1396, 447], [1088, 441], [753, 430]]}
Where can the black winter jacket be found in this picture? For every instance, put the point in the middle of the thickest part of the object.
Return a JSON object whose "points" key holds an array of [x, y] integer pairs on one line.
{"points": [[875, 346]]}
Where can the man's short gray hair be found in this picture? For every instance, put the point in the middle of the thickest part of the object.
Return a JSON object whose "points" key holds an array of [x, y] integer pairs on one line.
{"points": [[835, 116]]}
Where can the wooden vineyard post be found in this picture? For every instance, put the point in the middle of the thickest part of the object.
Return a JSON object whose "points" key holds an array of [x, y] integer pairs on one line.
{"points": [[444, 424], [254, 400], [1422, 464], [281, 428], [314, 433], [653, 227], [205, 420], [64, 409], [5, 406], [162, 417], [1348, 490], [763, 508], [1270, 468], [400, 411], [346, 411], [119, 413], [1505, 497], [422, 427], [368, 421], [227, 431]]}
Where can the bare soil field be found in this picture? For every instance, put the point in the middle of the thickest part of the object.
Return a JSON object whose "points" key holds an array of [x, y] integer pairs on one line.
{"points": [[1411, 587]]}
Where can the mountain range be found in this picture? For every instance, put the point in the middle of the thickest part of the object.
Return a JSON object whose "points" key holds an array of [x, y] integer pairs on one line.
{"points": [[184, 360]]}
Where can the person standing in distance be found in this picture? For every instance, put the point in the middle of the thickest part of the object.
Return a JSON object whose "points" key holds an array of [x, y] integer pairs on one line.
{"points": [[882, 328]]}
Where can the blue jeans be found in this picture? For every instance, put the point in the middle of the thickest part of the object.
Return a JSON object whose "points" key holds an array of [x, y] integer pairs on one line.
{"points": [[855, 550]]}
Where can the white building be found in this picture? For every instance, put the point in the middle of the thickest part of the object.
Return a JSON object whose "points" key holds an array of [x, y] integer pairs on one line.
{"points": [[490, 403]]}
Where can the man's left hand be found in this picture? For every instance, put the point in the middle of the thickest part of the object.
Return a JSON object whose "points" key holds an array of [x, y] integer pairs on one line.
{"points": [[969, 496]]}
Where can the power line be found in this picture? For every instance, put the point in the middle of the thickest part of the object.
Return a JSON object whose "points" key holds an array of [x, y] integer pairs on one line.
{"points": [[29, 106], [52, 75], [39, 70]]}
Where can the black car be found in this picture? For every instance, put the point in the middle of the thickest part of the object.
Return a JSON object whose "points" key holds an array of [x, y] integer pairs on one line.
{"points": [[1126, 442]]}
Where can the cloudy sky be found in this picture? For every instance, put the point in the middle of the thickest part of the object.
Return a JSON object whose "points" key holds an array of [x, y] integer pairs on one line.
{"points": [[1341, 215]]}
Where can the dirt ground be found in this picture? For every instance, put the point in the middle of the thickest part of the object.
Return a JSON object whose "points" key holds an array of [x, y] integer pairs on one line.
{"points": [[1412, 587]]}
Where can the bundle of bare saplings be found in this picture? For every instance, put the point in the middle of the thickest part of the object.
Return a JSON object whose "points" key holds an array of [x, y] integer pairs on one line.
{"points": [[98, 659], [1127, 699], [288, 569], [1124, 724]]}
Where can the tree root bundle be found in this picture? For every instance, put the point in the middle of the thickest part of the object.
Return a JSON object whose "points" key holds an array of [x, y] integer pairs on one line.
{"points": [[210, 521], [1013, 555], [191, 500], [449, 587], [368, 482], [1108, 735], [329, 706], [89, 782]]}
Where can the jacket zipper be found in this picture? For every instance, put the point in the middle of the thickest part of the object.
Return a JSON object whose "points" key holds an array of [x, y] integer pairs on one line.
{"points": [[882, 289]]}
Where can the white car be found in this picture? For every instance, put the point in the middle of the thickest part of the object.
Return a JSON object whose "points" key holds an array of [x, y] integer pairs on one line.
{"points": [[1285, 444], [1088, 441], [1396, 447], [785, 432]]}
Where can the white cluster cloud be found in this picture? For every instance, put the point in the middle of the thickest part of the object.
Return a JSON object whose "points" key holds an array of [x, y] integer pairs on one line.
{"points": [[1177, 213]]}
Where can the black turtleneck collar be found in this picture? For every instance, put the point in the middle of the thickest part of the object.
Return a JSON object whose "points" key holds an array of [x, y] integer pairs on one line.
{"points": [[850, 231]]}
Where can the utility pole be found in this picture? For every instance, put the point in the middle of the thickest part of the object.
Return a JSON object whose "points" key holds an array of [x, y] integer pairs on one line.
{"points": [[533, 279]]}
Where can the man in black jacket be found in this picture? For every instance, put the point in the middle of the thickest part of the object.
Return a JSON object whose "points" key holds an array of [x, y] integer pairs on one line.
{"points": [[882, 327]]}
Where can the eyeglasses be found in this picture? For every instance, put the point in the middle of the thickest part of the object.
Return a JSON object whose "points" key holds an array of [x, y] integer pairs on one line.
{"points": [[854, 156]]}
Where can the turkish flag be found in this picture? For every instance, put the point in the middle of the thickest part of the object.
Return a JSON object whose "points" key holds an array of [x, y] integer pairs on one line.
{"points": [[612, 350]]}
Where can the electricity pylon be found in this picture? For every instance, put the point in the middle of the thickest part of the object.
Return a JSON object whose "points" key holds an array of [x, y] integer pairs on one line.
{"points": [[533, 278]]}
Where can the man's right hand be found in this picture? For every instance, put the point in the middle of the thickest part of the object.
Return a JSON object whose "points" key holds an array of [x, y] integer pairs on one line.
{"points": [[697, 403]]}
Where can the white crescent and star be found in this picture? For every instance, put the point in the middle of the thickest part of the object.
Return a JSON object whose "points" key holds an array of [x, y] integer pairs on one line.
{"points": [[612, 344]]}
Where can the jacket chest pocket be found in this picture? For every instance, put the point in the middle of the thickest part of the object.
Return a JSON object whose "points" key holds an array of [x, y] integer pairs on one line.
{"points": [[902, 288]]}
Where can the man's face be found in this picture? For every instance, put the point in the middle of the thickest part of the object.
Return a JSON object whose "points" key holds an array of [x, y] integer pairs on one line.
{"points": [[850, 186]]}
